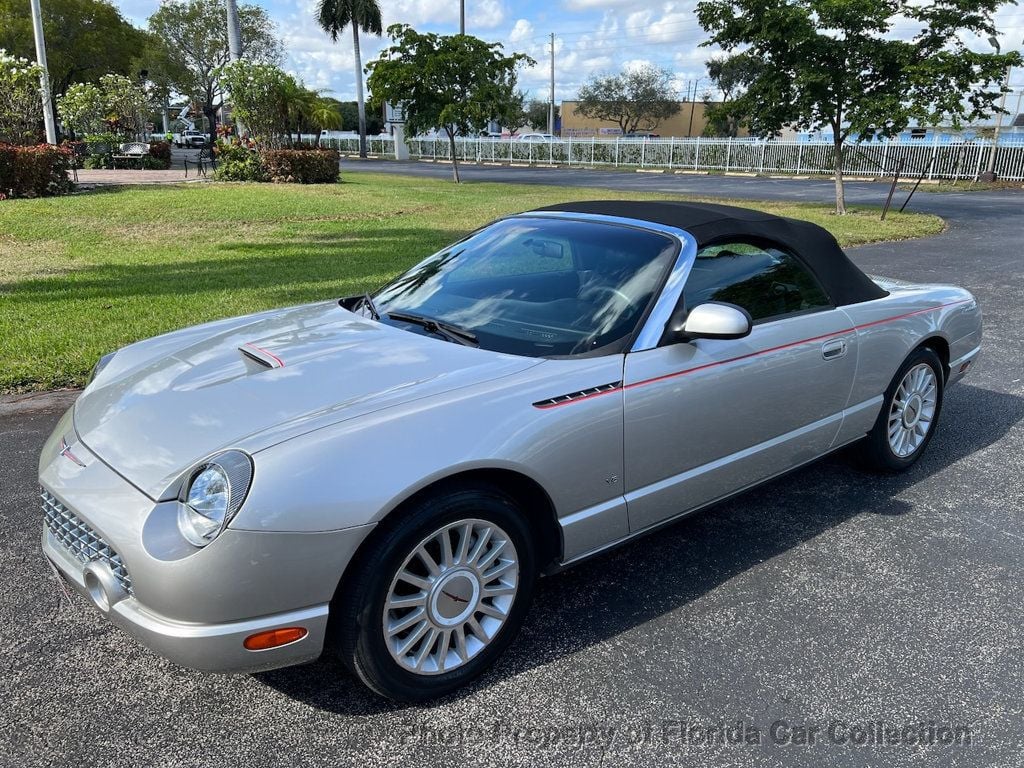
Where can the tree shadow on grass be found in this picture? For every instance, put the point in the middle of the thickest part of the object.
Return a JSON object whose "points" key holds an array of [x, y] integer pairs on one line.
{"points": [[269, 267], [597, 600]]}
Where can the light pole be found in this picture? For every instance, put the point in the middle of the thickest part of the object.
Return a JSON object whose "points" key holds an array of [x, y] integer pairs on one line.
{"points": [[462, 17], [234, 47], [990, 170], [44, 76]]}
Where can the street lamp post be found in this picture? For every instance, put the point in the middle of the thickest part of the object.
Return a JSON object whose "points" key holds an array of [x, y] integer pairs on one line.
{"points": [[234, 47], [44, 76], [990, 171]]}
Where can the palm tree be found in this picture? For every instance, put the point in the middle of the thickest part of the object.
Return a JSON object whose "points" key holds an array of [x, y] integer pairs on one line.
{"points": [[334, 16], [324, 115]]}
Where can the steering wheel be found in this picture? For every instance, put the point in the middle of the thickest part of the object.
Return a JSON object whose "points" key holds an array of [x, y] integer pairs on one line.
{"points": [[607, 291]]}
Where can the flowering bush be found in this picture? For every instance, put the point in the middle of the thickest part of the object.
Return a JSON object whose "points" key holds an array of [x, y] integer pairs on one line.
{"points": [[301, 166], [34, 171], [117, 105], [160, 154], [21, 108]]}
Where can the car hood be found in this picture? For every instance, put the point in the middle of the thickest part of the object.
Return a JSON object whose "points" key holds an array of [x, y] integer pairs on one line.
{"points": [[162, 405]]}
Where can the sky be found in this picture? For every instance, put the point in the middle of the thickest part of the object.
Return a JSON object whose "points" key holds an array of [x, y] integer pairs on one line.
{"points": [[591, 37]]}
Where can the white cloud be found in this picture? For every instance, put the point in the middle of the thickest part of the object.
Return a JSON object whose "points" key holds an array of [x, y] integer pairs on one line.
{"points": [[522, 31]]}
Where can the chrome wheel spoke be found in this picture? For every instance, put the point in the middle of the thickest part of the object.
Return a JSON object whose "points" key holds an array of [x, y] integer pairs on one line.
{"points": [[407, 621], [451, 596], [396, 602], [913, 410]]}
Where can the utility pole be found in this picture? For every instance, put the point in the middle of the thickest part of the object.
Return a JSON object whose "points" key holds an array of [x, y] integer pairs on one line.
{"points": [[234, 48], [693, 104], [990, 171], [551, 99], [44, 76], [462, 17]]}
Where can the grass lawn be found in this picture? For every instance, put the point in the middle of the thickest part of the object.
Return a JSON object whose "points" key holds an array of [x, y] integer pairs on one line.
{"points": [[83, 275]]}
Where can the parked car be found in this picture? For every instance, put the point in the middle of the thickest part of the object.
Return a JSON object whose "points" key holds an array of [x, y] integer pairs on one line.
{"points": [[539, 137], [192, 139], [386, 475]]}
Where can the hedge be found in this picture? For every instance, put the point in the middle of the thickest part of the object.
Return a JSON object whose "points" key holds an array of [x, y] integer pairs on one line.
{"points": [[34, 171], [160, 153], [301, 166]]}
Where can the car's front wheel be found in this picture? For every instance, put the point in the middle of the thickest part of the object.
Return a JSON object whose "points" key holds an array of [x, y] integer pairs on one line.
{"points": [[438, 594], [909, 414]]}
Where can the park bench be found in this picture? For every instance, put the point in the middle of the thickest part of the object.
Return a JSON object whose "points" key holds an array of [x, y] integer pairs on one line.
{"points": [[132, 150]]}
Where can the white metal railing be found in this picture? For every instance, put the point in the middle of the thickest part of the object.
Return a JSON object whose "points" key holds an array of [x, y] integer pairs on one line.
{"points": [[963, 160]]}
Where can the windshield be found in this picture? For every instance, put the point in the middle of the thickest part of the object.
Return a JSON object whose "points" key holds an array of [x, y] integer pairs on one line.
{"points": [[536, 286]]}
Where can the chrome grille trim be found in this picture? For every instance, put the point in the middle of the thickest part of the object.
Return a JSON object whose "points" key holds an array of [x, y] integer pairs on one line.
{"points": [[81, 541]]}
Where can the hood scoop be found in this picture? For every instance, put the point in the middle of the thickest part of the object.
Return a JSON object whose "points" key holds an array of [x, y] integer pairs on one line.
{"points": [[261, 356]]}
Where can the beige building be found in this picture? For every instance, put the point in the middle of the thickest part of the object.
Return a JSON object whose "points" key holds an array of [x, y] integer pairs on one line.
{"points": [[689, 121]]}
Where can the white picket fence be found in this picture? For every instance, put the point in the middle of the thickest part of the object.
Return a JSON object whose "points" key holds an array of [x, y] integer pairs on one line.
{"points": [[935, 160]]}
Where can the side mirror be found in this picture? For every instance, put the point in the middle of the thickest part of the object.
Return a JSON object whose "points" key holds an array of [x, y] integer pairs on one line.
{"points": [[714, 320]]}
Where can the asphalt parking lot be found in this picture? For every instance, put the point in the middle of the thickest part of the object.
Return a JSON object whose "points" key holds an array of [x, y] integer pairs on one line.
{"points": [[831, 600]]}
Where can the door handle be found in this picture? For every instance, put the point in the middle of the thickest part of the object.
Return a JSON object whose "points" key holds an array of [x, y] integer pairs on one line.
{"points": [[832, 350]]}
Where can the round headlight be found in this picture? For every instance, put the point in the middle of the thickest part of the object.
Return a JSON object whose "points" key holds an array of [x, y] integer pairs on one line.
{"points": [[212, 496]]}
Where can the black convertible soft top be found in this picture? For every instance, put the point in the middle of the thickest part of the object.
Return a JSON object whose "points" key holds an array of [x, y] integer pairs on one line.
{"points": [[708, 223]]}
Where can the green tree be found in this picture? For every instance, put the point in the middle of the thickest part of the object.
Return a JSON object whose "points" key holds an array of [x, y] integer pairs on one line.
{"points": [[535, 114], [457, 83], [637, 99], [192, 42], [118, 103], [333, 16], [837, 65], [84, 39], [258, 97], [325, 115], [730, 74], [21, 106]]}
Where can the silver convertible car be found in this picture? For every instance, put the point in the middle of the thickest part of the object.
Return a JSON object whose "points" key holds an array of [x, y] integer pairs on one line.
{"points": [[387, 475]]}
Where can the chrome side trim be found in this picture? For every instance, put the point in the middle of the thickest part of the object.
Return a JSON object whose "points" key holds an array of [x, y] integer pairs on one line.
{"points": [[732, 458], [570, 561]]}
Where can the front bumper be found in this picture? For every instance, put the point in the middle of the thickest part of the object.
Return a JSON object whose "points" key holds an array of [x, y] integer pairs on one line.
{"points": [[193, 606], [205, 646]]}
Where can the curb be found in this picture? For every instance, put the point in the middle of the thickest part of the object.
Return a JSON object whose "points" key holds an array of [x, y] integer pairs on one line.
{"points": [[38, 402]]}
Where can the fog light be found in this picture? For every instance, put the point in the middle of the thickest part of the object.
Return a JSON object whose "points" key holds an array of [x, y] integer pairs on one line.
{"points": [[274, 638]]}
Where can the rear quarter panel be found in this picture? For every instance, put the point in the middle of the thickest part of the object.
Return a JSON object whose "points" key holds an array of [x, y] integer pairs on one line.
{"points": [[889, 329]]}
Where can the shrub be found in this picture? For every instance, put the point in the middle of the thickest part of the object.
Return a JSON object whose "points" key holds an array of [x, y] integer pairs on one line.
{"points": [[160, 154], [34, 171], [301, 166], [238, 163], [101, 149]]}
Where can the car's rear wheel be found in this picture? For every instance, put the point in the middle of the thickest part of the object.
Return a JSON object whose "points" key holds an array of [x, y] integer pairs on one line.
{"points": [[909, 414], [438, 595]]}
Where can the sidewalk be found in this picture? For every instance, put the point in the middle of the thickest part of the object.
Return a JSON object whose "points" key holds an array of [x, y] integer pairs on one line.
{"points": [[106, 178]]}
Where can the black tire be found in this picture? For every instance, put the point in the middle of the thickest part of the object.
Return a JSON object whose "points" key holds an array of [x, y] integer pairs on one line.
{"points": [[357, 626], [875, 450]]}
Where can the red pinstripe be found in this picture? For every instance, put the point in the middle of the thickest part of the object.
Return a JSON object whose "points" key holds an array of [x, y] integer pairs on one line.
{"points": [[687, 371]]}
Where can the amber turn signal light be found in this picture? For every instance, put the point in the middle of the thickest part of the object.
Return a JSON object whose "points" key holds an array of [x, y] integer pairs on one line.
{"points": [[273, 638]]}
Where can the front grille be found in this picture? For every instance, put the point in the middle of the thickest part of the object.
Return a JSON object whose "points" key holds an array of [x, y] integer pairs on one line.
{"points": [[80, 540]]}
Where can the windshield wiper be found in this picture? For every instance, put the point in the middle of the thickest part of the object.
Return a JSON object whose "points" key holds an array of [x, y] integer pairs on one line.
{"points": [[441, 328], [366, 300]]}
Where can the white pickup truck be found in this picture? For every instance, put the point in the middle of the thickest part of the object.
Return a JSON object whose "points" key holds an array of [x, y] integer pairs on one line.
{"points": [[190, 139]]}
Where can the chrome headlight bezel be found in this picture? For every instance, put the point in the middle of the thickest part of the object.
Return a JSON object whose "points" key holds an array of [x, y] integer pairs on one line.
{"points": [[236, 469]]}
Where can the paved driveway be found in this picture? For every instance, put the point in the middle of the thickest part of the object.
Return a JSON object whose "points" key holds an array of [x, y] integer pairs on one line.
{"points": [[830, 600]]}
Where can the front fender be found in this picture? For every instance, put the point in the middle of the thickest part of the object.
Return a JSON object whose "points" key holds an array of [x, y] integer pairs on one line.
{"points": [[355, 472]]}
